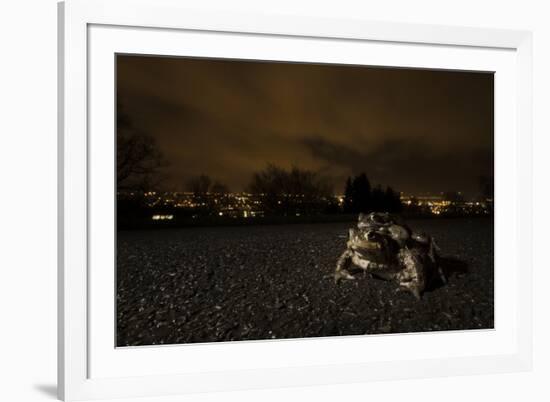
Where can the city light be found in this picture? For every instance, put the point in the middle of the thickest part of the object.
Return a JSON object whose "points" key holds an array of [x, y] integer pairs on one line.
{"points": [[162, 217], [249, 206]]}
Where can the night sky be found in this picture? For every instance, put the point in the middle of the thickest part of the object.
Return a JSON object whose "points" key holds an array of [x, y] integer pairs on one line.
{"points": [[416, 130]]}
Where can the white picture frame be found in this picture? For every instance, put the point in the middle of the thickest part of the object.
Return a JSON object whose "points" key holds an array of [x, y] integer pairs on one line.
{"points": [[90, 32]]}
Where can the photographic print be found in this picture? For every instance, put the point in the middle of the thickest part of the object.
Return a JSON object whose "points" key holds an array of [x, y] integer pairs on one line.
{"points": [[261, 200]]}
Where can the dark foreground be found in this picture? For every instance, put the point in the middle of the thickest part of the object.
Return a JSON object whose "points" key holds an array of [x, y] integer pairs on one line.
{"points": [[266, 282]]}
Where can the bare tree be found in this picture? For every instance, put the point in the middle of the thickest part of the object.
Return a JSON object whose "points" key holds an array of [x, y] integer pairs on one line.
{"points": [[211, 195], [139, 160], [202, 184], [199, 185], [297, 190], [219, 188]]}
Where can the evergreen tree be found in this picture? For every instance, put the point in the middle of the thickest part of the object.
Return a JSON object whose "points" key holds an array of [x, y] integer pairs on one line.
{"points": [[348, 197], [392, 200], [359, 196], [363, 193], [377, 199]]}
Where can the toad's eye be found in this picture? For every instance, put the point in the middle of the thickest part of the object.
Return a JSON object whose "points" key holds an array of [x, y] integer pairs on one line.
{"points": [[371, 236]]}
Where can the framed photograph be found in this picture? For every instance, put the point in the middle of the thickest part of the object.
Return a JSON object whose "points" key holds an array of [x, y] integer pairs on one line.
{"points": [[251, 201]]}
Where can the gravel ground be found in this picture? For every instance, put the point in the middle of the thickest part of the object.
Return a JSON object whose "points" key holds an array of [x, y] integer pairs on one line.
{"points": [[266, 282]]}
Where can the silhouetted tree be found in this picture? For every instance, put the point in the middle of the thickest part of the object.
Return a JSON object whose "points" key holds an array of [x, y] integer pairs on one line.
{"points": [[378, 199], [362, 193], [392, 200], [348, 197], [199, 185], [297, 190], [359, 196], [138, 158], [487, 187], [219, 188], [209, 194]]}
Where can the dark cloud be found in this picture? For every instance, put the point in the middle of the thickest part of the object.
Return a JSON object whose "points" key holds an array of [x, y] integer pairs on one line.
{"points": [[418, 130], [410, 165]]}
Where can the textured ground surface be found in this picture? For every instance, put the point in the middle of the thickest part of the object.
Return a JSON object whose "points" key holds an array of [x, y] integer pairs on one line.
{"points": [[264, 282]]}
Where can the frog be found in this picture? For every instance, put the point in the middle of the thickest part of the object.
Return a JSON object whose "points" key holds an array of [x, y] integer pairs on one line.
{"points": [[384, 246]]}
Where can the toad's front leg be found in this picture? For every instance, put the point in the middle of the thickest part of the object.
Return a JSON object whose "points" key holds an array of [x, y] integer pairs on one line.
{"points": [[342, 266]]}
